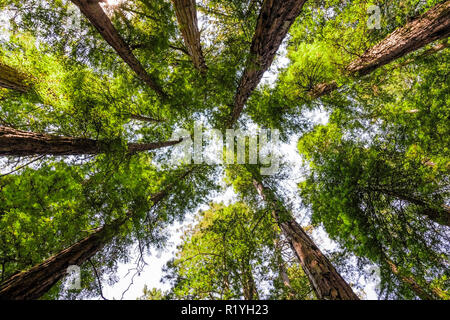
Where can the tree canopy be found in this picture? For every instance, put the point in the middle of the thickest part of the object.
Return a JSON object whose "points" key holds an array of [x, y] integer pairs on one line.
{"points": [[97, 98]]}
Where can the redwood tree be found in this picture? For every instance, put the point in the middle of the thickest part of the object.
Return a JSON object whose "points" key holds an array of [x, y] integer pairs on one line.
{"points": [[15, 142]]}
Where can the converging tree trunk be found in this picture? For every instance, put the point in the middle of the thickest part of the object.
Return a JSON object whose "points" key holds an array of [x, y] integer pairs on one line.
{"points": [[35, 282], [283, 274], [439, 214], [145, 118], [248, 282], [98, 18], [15, 142], [186, 13], [327, 283], [431, 26], [422, 293], [11, 78], [274, 21]]}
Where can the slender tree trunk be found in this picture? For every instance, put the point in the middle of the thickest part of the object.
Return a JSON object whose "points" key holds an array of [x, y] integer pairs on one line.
{"points": [[15, 142], [284, 277], [431, 26], [327, 283], [439, 214], [145, 119], [11, 78], [274, 21], [248, 282], [35, 282], [186, 13], [414, 286], [98, 18]]}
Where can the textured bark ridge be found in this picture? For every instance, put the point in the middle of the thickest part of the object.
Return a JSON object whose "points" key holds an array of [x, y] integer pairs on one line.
{"points": [[327, 283], [431, 26], [35, 282], [186, 13], [15, 142], [10, 78], [98, 18], [274, 21]]}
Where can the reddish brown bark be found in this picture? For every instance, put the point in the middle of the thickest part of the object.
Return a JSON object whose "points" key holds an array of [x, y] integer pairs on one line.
{"points": [[327, 283], [274, 21], [15, 142], [35, 282], [98, 18], [186, 13], [431, 26], [11, 78]]}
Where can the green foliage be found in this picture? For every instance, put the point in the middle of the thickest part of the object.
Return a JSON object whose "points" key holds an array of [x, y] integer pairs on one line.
{"points": [[377, 202], [377, 173], [229, 253]]}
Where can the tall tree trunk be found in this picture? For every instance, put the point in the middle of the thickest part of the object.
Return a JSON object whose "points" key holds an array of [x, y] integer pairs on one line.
{"points": [[414, 286], [431, 26], [186, 13], [248, 282], [15, 142], [327, 283], [11, 78], [283, 275], [35, 282], [145, 118], [98, 18], [439, 214], [274, 21]]}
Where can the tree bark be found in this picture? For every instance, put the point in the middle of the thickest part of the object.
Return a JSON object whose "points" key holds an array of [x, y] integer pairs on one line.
{"points": [[274, 21], [248, 283], [145, 119], [414, 286], [283, 275], [98, 18], [186, 13], [440, 214], [35, 282], [431, 26], [11, 78], [15, 142], [327, 283]]}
